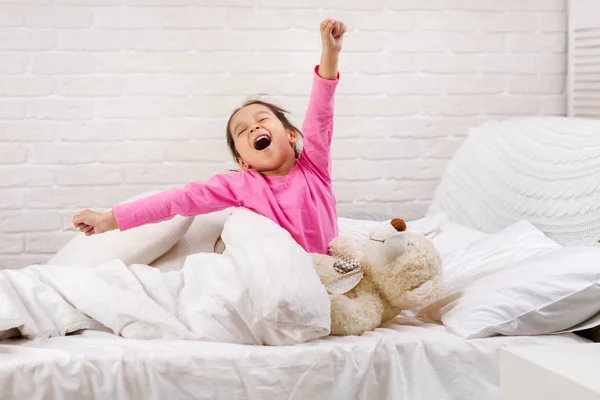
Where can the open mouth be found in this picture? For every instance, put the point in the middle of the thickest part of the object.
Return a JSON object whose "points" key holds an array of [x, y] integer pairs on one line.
{"points": [[262, 142]]}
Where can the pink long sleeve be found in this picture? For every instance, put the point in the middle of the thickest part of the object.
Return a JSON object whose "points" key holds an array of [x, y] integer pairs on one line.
{"points": [[218, 193], [318, 123]]}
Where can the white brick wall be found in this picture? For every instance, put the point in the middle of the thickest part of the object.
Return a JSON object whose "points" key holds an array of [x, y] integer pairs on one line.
{"points": [[103, 99]]}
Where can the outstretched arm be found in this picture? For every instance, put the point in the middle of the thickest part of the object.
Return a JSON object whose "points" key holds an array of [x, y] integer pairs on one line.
{"points": [[218, 193]]}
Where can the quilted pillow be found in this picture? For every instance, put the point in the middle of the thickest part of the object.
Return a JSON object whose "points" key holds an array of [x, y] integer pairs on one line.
{"points": [[545, 170], [141, 245]]}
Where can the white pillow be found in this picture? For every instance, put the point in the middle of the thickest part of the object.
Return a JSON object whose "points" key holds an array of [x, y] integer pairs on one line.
{"points": [[482, 257], [493, 252], [199, 238], [141, 245], [541, 169], [539, 295], [358, 230], [452, 236], [516, 282]]}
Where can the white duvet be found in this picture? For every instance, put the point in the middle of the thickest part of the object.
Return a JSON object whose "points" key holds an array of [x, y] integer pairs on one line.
{"points": [[262, 290]]}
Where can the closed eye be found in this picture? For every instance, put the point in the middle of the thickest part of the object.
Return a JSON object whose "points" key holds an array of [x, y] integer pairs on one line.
{"points": [[262, 119], [240, 132]]}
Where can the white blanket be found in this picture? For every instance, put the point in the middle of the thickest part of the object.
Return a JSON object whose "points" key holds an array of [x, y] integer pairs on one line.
{"points": [[262, 290]]}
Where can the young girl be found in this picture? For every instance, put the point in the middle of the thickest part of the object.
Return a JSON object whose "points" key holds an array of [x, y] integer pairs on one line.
{"points": [[292, 189]]}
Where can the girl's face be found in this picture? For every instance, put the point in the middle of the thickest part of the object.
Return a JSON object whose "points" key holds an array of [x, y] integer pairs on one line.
{"points": [[262, 141]]}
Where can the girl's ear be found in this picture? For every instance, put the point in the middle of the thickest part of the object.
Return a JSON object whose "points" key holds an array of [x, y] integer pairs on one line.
{"points": [[241, 163], [292, 136]]}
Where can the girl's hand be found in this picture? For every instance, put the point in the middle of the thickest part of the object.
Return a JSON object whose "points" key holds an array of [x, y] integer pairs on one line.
{"points": [[91, 222], [332, 36]]}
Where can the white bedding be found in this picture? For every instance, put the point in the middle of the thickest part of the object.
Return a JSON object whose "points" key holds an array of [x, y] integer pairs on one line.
{"points": [[405, 359], [413, 361], [263, 290]]}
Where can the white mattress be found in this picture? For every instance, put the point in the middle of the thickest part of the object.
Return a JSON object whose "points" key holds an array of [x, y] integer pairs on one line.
{"points": [[411, 361]]}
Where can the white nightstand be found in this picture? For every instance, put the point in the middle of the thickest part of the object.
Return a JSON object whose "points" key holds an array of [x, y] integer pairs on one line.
{"points": [[567, 372]]}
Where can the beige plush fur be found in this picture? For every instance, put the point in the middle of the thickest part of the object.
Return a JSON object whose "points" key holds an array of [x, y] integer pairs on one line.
{"points": [[413, 278]]}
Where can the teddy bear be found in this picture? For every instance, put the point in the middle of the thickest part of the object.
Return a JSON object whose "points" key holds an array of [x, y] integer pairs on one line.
{"points": [[395, 270]]}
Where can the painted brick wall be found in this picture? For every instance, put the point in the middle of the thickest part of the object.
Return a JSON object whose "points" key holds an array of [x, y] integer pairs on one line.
{"points": [[103, 99]]}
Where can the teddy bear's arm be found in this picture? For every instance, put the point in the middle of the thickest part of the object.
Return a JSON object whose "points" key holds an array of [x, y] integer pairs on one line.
{"points": [[346, 246]]}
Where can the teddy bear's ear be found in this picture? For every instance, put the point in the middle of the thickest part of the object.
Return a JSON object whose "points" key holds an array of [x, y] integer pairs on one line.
{"points": [[398, 224]]}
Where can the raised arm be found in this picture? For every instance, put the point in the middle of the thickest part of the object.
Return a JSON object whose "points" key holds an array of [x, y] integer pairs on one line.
{"points": [[332, 38], [318, 124], [217, 193]]}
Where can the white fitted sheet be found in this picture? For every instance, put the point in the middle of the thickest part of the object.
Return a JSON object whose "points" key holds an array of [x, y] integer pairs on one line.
{"points": [[414, 361]]}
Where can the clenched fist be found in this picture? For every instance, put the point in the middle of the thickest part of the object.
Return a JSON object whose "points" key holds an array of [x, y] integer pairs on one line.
{"points": [[332, 35], [91, 222]]}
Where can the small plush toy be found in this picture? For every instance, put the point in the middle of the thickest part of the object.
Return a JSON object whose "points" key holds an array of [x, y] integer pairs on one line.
{"points": [[397, 270]]}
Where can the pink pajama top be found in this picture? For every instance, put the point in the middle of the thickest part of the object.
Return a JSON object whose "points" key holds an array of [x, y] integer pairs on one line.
{"points": [[302, 202]]}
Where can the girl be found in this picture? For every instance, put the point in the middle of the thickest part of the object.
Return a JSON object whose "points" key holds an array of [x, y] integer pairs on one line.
{"points": [[292, 189]]}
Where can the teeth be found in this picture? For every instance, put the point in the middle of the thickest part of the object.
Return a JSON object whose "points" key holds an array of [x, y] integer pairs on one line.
{"points": [[260, 137]]}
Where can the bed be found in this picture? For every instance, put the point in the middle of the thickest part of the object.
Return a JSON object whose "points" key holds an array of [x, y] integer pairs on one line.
{"points": [[404, 359]]}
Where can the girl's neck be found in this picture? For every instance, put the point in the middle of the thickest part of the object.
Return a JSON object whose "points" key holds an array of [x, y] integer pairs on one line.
{"points": [[283, 169]]}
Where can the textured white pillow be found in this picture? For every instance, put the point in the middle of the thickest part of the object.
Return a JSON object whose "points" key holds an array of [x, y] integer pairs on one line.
{"points": [[541, 169], [539, 295], [199, 238], [141, 245]]}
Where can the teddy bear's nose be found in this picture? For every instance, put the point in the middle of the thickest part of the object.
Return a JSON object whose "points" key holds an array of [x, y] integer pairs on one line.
{"points": [[399, 224]]}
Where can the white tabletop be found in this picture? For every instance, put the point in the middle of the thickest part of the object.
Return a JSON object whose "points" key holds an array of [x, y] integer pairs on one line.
{"points": [[579, 363]]}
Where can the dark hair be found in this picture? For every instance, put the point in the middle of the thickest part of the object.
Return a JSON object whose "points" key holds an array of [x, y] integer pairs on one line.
{"points": [[279, 112]]}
